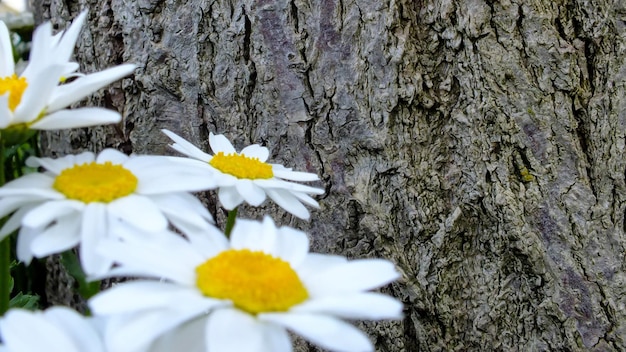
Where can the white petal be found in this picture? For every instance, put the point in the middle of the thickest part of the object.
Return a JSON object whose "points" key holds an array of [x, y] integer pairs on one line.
{"points": [[315, 263], [6, 115], [229, 197], [252, 194], [93, 229], [219, 143], [306, 199], [139, 211], [327, 332], [288, 202], [80, 329], [291, 246], [256, 151], [35, 180], [188, 337], [19, 326], [10, 204], [48, 212], [56, 166], [137, 331], [113, 155], [15, 221], [65, 47], [39, 50], [57, 238], [184, 147], [286, 185], [234, 330], [7, 65], [370, 305], [82, 117], [254, 235], [137, 296], [352, 277], [35, 96], [24, 240], [208, 242], [174, 180], [155, 255], [183, 209], [76, 90], [295, 176]]}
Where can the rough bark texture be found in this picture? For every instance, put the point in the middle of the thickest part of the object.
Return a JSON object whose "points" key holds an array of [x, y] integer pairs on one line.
{"points": [[477, 144]]}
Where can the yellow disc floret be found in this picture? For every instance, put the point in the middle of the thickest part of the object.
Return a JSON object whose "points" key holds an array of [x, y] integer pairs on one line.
{"points": [[254, 281], [15, 87], [92, 182], [241, 166]]}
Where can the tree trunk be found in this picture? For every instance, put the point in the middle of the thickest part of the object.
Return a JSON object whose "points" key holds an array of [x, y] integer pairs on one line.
{"points": [[478, 144]]}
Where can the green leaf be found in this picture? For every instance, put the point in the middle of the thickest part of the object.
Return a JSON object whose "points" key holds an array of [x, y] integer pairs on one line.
{"points": [[30, 302]]}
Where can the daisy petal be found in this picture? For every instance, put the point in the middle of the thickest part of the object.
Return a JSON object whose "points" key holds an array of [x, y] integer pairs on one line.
{"points": [[6, 115], [327, 332], [57, 238], [295, 175], [143, 295], [93, 229], [252, 194], [315, 263], [48, 212], [183, 338], [219, 143], [7, 65], [74, 325], [138, 211], [229, 197], [135, 332], [184, 147], [82, 117], [24, 241], [112, 155], [291, 246], [288, 202], [233, 330], [34, 99], [369, 305], [76, 90], [65, 47], [256, 151], [363, 274], [17, 328]]}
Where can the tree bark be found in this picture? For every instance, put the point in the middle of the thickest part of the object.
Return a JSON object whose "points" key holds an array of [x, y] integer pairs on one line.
{"points": [[477, 144]]}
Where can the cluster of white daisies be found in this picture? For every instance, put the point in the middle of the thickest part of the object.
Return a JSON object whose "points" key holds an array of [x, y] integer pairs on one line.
{"points": [[200, 289]]}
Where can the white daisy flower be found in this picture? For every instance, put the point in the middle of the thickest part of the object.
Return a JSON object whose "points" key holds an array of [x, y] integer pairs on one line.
{"points": [[81, 198], [213, 295], [246, 176], [34, 100], [57, 329]]}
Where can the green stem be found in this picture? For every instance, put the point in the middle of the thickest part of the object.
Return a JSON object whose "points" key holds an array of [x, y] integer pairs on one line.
{"points": [[5, 251], [230, 222]]}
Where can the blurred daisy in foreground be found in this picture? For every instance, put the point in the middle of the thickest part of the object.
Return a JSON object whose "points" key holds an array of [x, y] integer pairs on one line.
{"points": [[246, 176], [36, 99], [209, 294], [80, 198], [58, 329]]}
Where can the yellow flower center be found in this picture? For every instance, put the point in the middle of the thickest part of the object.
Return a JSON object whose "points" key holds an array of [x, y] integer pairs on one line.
{"points": [[254, 281], [15, 87], [241, 166], [92, 182]]}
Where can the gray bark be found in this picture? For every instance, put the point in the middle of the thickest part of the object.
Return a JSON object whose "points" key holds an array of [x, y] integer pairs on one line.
{"points": [[477, 144]]}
